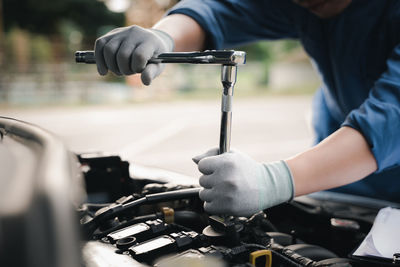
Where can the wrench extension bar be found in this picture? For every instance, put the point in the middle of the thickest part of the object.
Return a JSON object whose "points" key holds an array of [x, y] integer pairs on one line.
{"points": [[222, 57]]}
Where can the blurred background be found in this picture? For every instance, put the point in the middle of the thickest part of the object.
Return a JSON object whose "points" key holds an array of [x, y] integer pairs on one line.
{"points": [[161, 125]]}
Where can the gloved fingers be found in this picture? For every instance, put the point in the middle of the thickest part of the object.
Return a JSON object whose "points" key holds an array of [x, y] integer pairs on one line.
{"points": [[206, 195], [209, 208], [98, 52], [218, 208], [124, 57], [209, 165], [110, 51], [215, 208], [212, 152], [116, 30], [207, 181], [150, 72], [141, 56]]}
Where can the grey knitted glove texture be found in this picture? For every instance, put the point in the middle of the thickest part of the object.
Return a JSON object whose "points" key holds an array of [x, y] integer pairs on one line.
{"points": [[235, 184], [126, 51]]}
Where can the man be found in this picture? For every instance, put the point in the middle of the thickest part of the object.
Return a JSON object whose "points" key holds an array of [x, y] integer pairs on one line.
{"points": [[355, 46]]}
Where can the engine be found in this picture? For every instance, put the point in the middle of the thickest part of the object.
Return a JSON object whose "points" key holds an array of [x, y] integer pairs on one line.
{"points": [[136, 222]]}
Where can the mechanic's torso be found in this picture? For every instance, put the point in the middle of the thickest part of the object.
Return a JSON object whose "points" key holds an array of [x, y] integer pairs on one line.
{"points": [[351, 50]]}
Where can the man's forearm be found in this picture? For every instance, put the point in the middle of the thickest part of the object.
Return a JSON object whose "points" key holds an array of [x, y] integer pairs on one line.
{"points": [[186, 32], [342, 158]]}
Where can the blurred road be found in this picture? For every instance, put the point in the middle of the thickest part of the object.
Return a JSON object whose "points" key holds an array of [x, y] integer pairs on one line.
{"points": [[169, 134]]}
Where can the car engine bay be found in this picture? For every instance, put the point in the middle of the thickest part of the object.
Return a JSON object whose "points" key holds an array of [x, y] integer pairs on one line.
{"points": [[159, 224]]}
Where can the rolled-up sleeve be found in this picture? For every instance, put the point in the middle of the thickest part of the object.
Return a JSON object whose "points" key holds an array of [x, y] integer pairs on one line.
{"points": [[378, 118], [230, 23]]}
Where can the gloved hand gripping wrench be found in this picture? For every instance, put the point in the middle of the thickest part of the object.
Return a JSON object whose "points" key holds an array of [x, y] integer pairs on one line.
{"points": [[228, 59]]}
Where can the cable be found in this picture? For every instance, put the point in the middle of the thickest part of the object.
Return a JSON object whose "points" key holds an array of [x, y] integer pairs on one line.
{"points": [[90, 225]]}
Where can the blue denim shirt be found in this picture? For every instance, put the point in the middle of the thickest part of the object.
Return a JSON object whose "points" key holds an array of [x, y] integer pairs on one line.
{"points": [[357, 54]]}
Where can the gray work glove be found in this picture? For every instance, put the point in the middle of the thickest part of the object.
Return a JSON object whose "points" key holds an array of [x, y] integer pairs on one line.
{"points": [[235, 184], [126, 50]]}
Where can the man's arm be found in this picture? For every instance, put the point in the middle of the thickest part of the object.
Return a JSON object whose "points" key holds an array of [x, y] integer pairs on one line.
{"points": [[342, 158], [368, 141], [126, 50], [347, 155], [235, 184], [231, 23], [191, 25], [185, 31]]}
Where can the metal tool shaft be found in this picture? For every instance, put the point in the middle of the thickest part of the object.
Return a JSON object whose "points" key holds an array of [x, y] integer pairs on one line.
{"points": [[223, 57], [228, 79]]}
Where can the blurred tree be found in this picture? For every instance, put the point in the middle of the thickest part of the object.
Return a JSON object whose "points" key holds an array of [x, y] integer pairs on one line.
{"points": [[2, 52], [267, 52], [46, 17], [1, 36], [20, 49], [41, 31]]}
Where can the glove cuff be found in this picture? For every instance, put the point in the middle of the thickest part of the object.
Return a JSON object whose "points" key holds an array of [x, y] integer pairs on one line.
{"points": [[280, 187], [290, 180], [166, 38]]}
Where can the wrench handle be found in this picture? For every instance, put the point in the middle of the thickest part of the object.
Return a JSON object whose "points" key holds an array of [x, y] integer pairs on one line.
{"points": [[223, 57]]}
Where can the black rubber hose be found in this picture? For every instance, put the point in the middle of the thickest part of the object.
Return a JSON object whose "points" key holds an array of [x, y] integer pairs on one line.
{"points": [[107, 214]]}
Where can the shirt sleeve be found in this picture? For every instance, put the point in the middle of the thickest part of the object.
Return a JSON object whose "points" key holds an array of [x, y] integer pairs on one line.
{"points": [[378, 118], [230, 23]]}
